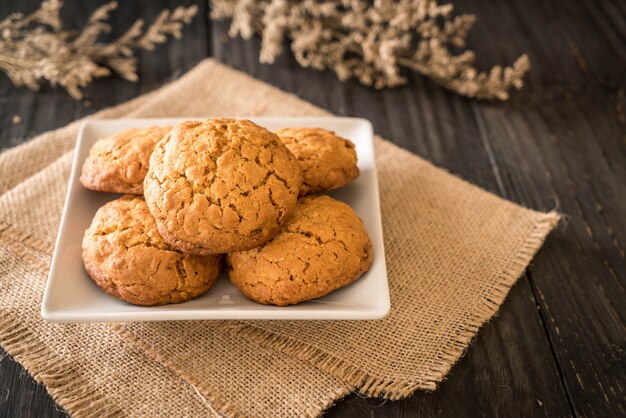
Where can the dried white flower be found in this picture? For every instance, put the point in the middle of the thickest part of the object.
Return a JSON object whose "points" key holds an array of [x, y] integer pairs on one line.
{"points": [[372, 41], [34, 47]]}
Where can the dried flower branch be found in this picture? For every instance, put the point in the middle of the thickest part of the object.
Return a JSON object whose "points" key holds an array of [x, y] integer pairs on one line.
{"points": [[372, 41], [34, 47]]}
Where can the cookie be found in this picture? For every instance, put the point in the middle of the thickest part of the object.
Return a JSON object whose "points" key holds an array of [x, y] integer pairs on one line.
{"points": [[221, 185], [119, 163], [327, 160], [324, 246], [125, 255]]}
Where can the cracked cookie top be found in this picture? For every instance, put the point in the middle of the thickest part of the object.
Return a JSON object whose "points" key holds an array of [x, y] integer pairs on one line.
{"points": [[221, 185], [323, 246], [119, 163], [327, 160], [125, 255]]}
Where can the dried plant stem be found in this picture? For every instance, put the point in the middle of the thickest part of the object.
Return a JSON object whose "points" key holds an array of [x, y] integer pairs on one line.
{"points": [[34, 48], [374, 42]]}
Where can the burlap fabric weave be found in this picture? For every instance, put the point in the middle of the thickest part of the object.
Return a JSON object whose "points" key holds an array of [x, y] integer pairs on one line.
{"points": [[453, 252]]}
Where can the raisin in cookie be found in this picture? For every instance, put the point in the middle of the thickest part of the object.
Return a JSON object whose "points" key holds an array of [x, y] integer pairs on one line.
{"points": [[221, 185], [119, 163], [324, 246], [125, 255], [327, 160]]}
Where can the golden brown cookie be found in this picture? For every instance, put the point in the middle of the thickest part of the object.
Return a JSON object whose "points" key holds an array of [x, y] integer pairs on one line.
{"points": [[119, 163], [323, 246], [125, 255], [221, 185], [327, 160]]}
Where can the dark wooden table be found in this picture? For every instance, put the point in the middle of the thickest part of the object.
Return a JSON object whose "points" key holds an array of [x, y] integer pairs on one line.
{"points": [[557, 346]]}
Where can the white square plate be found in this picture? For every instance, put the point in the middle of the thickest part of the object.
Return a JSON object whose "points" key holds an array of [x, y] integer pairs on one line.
{"points": [[71, 296]]}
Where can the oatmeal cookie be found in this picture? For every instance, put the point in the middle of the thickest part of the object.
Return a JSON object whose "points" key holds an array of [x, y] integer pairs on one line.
{"points": [[221, 185], [327, 160], [125, 255], [323, 246], [119, 163]]}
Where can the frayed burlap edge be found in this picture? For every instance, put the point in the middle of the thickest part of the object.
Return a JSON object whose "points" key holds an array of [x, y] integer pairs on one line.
{"points": [[65, 386], [373, 386]]}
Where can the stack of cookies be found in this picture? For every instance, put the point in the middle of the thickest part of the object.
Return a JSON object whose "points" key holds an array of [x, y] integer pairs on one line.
{"points": [[199, 195]]}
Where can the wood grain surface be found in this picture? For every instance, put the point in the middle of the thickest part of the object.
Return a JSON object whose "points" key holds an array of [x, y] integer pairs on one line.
{"points": [[557, 346]]}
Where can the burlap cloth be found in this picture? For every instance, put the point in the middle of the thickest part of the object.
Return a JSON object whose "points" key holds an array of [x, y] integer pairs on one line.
{"points": [[453, 252]]}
